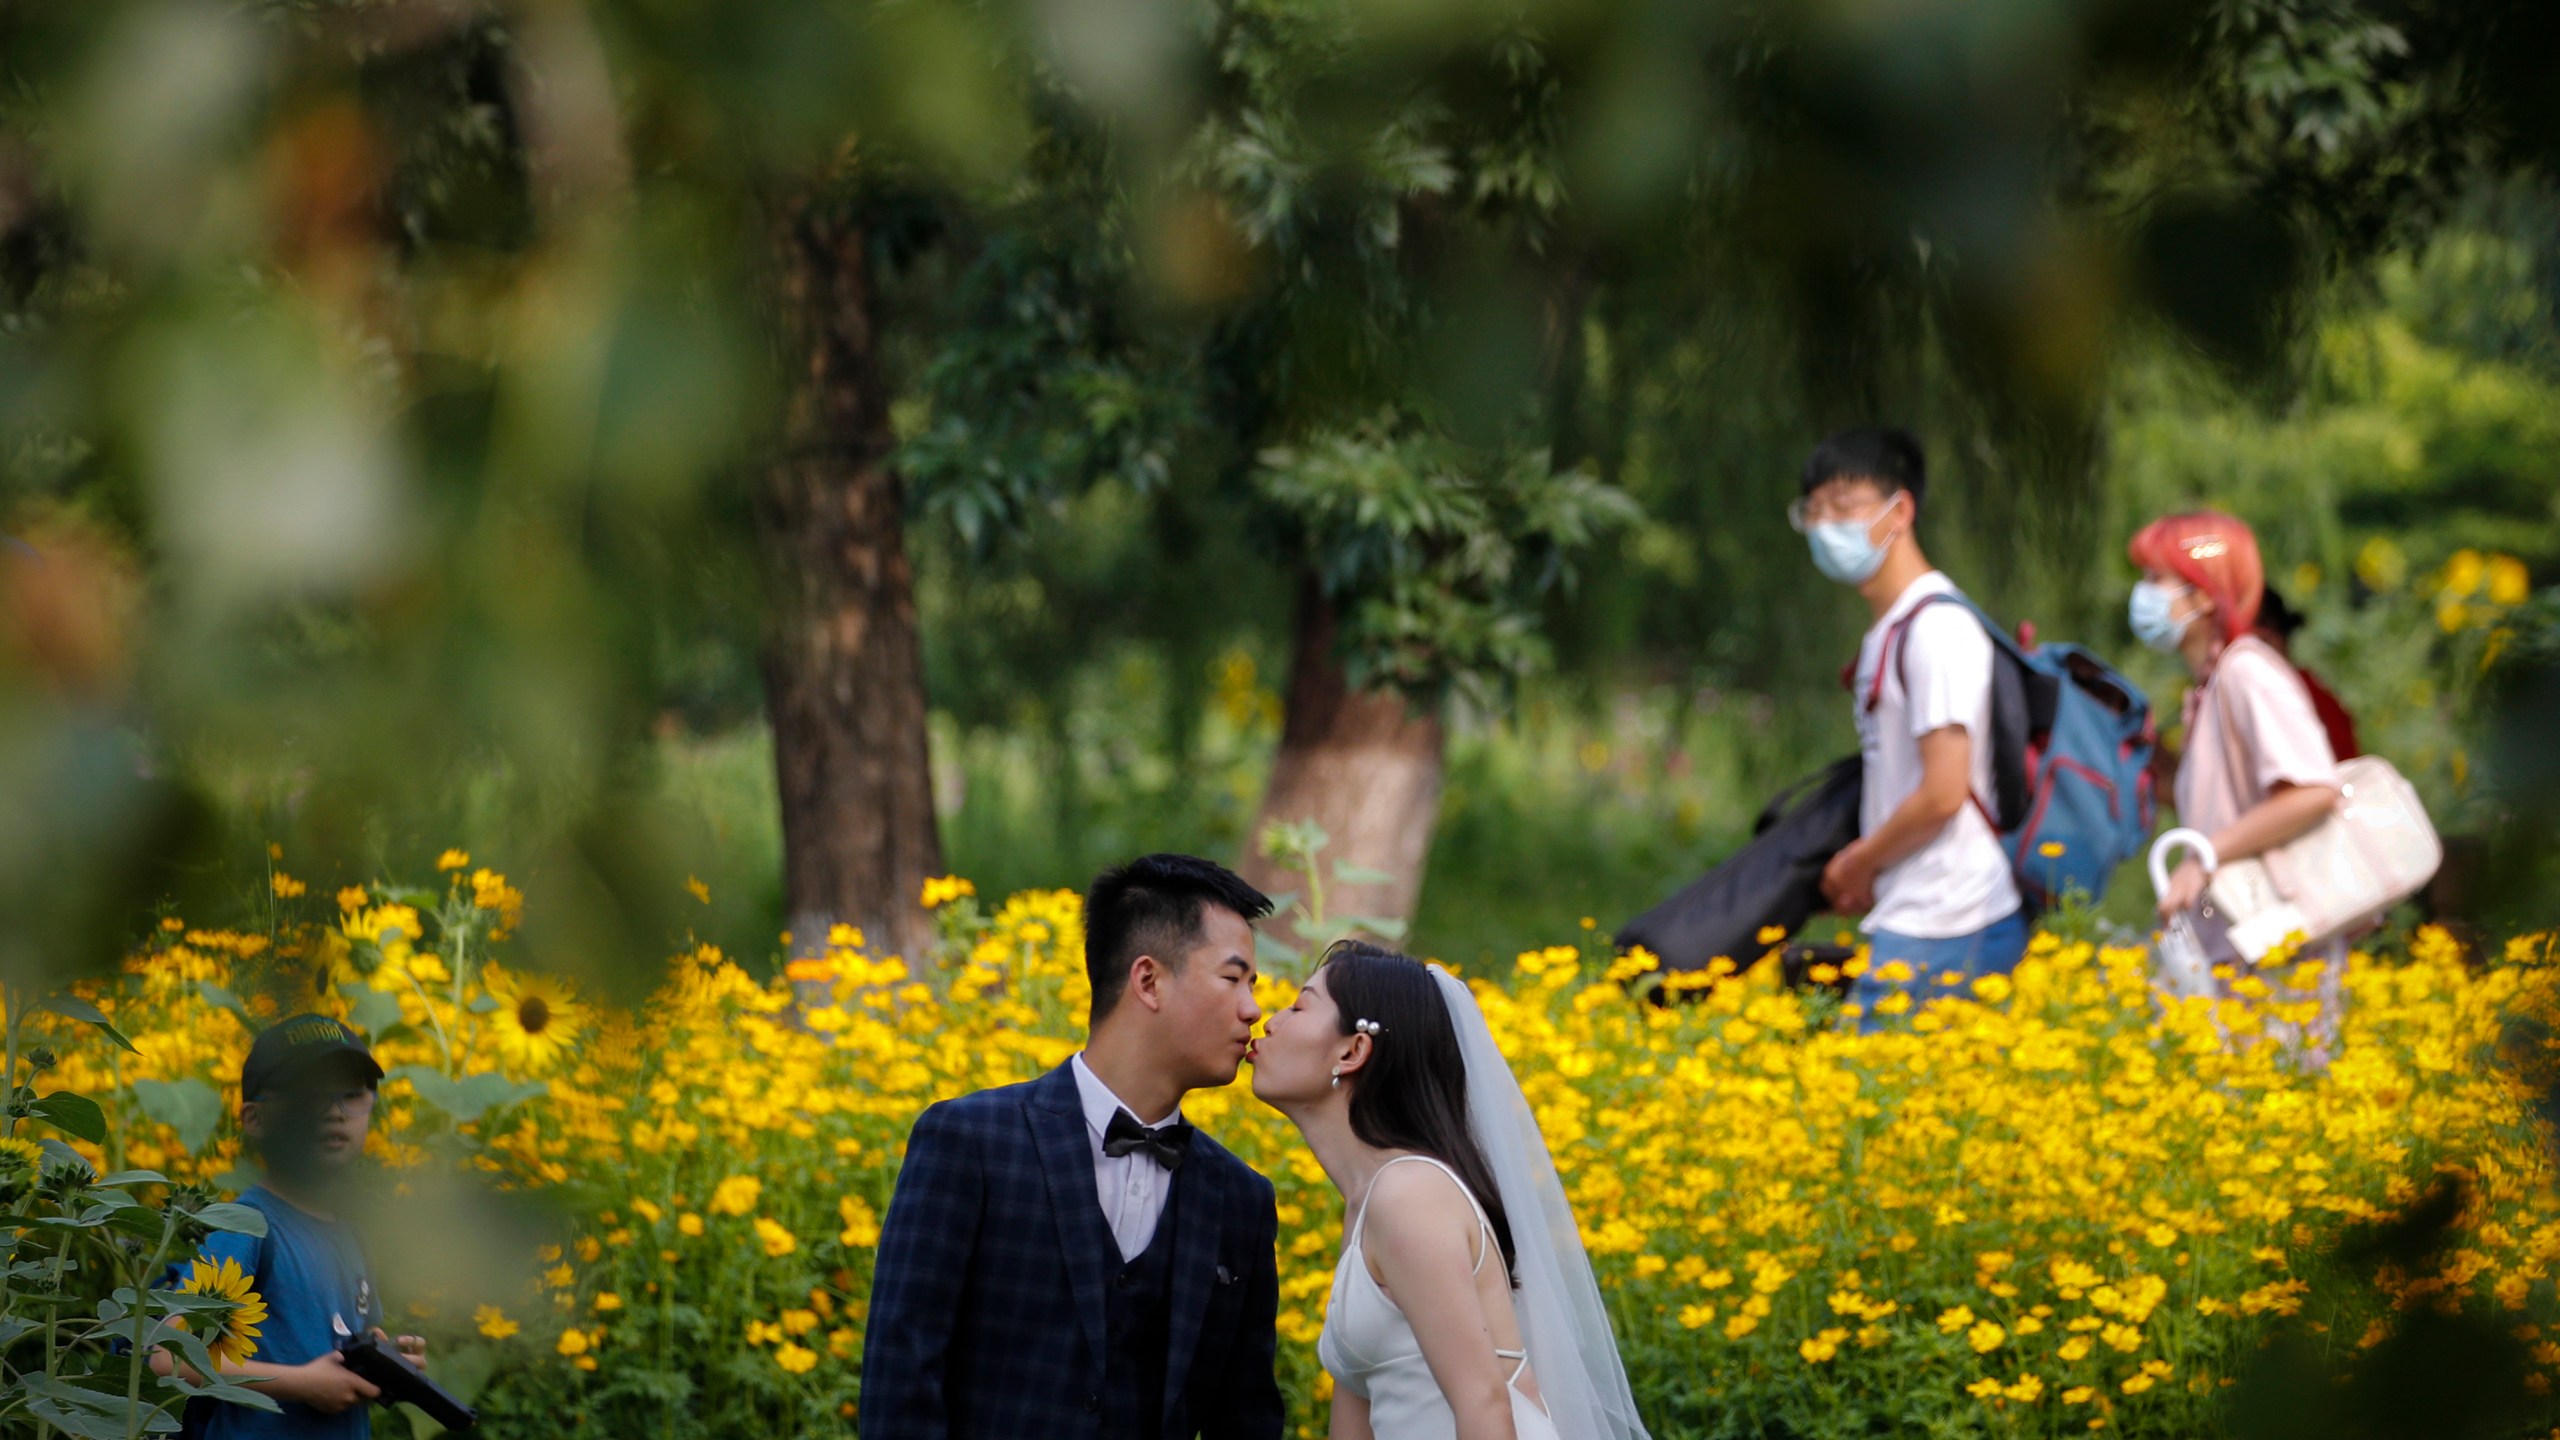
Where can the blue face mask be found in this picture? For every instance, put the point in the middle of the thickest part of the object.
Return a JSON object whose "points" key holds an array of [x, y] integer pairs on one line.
{"points": [[1845, 550], [2149, 612]]}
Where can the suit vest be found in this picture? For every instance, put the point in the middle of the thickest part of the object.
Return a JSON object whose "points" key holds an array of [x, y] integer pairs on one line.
{"points": [[1138, 1327]]}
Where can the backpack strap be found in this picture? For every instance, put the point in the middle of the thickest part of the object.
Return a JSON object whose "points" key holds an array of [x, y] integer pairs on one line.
{"points": [[1897, 646], [1897, 650], [2243, 775]]}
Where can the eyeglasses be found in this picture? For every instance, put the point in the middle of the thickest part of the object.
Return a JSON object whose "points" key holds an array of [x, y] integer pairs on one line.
{"points": [[1803, 515]]}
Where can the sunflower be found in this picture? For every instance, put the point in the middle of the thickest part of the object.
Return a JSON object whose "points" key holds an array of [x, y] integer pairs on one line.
{"points": [[536, 1018], [237, 1339], [375, 945], [21, 1161]]}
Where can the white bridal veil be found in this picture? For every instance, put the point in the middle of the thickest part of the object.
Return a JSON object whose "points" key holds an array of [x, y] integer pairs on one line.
{"points": [[1572, 1352]]}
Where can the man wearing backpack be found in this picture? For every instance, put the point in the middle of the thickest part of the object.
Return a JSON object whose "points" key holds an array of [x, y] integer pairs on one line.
{"points": [[1927, 870]]}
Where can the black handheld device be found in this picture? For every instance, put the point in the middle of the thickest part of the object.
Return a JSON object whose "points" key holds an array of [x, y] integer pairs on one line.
{"points": [[404, 1383]]}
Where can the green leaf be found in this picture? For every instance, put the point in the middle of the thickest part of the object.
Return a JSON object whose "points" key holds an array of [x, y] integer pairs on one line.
{"points": [[132, 1177], [1350, 874], [92, 1414], [1384, 927], [57, 1153], [89, 1221], [190, 1347], [190, 1107], [369, 1010], [225, 1391], [1268, 951], [221, 998], [133, 1218], [238, 1219], [73, 1115], [470, 1097], [79, 1009], [180, 1302]]}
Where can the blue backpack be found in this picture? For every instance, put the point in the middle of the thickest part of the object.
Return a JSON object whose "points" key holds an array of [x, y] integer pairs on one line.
{"points": [[2071, 743]]}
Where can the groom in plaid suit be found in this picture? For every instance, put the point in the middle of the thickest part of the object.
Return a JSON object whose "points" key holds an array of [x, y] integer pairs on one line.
{"points": [[1068, 1259]]}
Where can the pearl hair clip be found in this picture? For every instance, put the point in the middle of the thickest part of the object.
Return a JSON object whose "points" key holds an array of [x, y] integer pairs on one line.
{"points": [[1370, 1028]]}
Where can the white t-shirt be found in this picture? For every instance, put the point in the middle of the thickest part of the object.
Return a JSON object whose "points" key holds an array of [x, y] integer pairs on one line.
{"points": [[1960, 881]]}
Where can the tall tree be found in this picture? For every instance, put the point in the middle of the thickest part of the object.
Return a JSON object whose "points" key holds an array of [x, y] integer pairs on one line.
{"points": [[420, 458], [1424, 566], [843, 667], [1386, 378]]}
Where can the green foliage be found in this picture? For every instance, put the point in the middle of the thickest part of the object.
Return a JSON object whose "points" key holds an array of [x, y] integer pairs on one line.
{"points": [[420, 372], [2418, 446], [1297, 846], [1438, 558], [85, 1259]]}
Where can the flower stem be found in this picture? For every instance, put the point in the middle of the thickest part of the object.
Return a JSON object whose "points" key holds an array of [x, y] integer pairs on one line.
{"points": [[142, 1316]]}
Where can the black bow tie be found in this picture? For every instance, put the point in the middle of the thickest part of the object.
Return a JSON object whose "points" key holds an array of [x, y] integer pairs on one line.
{"points": [[1165, 1145]]}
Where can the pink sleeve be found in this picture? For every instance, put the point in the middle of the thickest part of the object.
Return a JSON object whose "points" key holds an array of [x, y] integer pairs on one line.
{"points": [[2279, 731]]}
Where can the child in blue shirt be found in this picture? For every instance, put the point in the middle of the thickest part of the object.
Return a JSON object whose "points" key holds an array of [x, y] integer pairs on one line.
{"points": [[306, 1100]]}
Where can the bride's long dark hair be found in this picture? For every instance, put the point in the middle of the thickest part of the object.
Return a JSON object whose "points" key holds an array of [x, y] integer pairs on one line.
{"points": [[1412, 1095]]}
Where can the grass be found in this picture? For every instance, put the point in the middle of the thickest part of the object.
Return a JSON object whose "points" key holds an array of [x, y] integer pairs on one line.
{"points": [[1577, 808]]}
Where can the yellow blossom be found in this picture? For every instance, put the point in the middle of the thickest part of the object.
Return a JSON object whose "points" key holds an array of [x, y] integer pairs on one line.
{"points": [[736, 1195], [778, 1240], [235, 1338]]}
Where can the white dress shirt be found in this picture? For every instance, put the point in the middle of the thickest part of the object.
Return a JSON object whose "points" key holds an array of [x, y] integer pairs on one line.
{"points": [[1132, 1187]]}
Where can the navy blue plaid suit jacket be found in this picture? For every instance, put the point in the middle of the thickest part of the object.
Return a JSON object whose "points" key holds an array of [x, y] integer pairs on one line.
{"points": [[986, 1318]]}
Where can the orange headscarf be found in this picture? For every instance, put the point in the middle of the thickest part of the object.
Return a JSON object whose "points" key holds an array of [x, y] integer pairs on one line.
{"points": [[2214, 552]]}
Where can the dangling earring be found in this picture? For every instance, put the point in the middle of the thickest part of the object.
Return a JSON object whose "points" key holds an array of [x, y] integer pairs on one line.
{"points": [[1337, 1077]]}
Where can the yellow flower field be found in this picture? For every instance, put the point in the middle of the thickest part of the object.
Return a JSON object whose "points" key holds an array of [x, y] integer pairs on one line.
{"points": [[2043, 1207]]}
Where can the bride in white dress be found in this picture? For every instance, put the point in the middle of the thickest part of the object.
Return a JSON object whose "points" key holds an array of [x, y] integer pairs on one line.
{"points": [[1463, 1306]]}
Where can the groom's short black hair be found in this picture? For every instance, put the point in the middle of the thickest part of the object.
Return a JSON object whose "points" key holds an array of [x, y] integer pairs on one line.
{"points": [[1152, 906]]}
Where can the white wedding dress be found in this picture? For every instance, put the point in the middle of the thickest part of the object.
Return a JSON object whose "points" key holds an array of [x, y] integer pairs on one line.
{"points": [[1369, 1347]]}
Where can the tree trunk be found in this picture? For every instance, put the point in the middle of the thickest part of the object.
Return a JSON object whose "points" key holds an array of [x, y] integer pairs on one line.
{"points": [[1365, 765], [843, 667]]}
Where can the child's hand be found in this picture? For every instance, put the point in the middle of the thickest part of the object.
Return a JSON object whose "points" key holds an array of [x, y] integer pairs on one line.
{"points": [[412, 1348], [328, 1386]]}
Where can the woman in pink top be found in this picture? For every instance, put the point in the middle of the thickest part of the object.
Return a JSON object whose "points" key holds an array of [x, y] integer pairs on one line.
{"points": [[2257, 770]]}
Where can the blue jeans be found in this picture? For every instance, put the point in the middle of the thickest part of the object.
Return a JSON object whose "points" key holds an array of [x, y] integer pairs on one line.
{"points": [[1995, 949]]}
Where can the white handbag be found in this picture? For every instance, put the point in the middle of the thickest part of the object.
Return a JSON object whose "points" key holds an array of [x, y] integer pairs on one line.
{"points": [[2374, 850]]}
